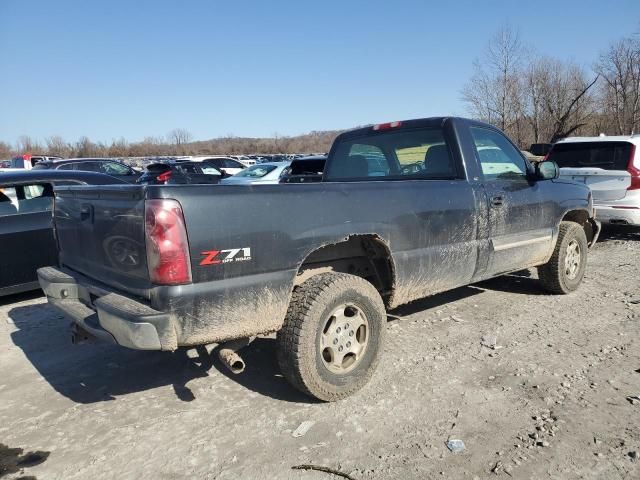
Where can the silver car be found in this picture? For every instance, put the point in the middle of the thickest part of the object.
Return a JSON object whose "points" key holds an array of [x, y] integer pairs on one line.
{"points": [[260, 174], [610, 166]]}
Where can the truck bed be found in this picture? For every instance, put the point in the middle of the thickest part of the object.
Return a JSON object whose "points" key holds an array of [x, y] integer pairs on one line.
{"points": [[262, 235]]}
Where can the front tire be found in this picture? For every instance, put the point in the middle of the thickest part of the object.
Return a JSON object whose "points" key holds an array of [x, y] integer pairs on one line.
{"points": [[333, 333], [565, 269]]}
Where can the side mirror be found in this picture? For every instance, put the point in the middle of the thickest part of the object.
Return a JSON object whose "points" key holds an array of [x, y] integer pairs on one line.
{"points": [[547, 170]]}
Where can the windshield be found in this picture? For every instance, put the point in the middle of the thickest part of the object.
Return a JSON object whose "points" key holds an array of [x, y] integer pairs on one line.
{"points": [[256, 171], [605, 155]]}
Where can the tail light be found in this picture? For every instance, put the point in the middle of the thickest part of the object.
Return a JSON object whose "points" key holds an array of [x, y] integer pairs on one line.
{"points": [[634, 170], [386, 126], [164, 176], [168, 257]]}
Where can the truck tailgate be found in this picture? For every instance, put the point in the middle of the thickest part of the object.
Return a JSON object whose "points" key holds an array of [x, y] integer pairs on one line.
{"points": [[100, 233], [606, 185]]}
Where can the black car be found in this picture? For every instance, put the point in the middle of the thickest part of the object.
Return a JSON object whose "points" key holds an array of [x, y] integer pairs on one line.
{"points": [[305, 169], [26, 236], [99, 165], [179, 173]]}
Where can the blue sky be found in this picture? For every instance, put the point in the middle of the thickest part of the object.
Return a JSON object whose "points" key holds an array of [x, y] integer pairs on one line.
{"points": [[254, 68]]}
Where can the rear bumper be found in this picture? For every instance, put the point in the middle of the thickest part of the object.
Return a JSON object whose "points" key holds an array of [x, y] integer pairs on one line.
{"points": [[107, 315], [619, 216]]}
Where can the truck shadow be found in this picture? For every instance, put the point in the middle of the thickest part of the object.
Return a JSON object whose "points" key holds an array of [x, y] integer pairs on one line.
{"points": [[435, 301], [518, 282], [618, 232], [262, 373], [20, 297], [101, 372]]}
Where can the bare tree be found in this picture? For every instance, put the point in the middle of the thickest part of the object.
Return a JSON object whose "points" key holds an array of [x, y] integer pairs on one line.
{"points": [[85, 148], [494, 92], [619, 68], [179, 137], [556, 98], [5, 150], [118, 148], [26, 144], [57, 146]]}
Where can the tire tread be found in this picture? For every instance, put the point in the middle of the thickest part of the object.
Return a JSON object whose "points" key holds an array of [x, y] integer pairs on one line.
{"points": [[550, 274], [293, 338]]}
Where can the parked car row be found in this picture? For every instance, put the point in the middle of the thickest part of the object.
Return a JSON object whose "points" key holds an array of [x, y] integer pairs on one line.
{"points": [[220, 170], [98, 165], [180, 173]]}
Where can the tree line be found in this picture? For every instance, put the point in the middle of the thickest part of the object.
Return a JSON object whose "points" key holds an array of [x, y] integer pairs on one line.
{"points": [[533, 98], [177, 142], [540, 99]]}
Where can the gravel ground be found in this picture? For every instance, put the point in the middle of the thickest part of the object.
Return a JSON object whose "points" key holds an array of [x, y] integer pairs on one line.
{"points": [[536, 386]]}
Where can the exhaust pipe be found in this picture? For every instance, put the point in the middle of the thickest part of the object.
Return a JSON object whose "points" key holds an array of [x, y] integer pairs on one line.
{"points": [[79, 336], [229, 356]]}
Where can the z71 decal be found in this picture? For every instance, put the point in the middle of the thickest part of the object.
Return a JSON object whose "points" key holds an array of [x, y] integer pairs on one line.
{"points": [[215, 257]]}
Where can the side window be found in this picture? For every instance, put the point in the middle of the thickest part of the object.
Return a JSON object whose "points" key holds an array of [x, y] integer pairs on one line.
{"points": [[8, 201], [412, 154], [26, 199], [232, 164], [499, 159], [66, 166], [88, 166], [113, 168], [210, 170]]}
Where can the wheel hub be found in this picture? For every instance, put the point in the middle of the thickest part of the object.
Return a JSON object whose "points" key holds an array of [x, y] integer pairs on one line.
{"points": [[572, 259], [344, 338]]}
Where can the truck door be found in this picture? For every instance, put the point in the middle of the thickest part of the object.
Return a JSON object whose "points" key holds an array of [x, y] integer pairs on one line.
{"points": [[414, 186], [520, 219], [26, 236]]}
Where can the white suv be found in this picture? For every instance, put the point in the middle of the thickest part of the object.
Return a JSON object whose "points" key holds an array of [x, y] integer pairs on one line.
{"points": [[610, 166]]}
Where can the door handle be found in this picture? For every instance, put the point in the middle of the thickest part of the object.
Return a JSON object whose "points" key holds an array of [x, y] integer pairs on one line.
{"points": [[497, 201]]}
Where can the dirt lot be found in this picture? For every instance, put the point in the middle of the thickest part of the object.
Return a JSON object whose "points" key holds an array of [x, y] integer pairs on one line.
{"points": [[549, 401]]}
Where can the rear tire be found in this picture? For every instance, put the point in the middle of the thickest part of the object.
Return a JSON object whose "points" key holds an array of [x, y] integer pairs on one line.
{"points": [[565, 269], [333, 333]]}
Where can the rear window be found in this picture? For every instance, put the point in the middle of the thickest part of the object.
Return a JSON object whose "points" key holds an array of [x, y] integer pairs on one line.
{"points": [[605, 155], [190, 168], [400, 154], [158, 167], [307, 167], [256, 171]]}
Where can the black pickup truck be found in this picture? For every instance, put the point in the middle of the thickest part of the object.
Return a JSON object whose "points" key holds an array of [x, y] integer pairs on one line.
{"points": [[404, 210]]}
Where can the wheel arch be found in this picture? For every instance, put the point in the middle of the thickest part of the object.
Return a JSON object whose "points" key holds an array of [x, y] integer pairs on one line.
{"points": [[584, 219], [365, 255]]}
